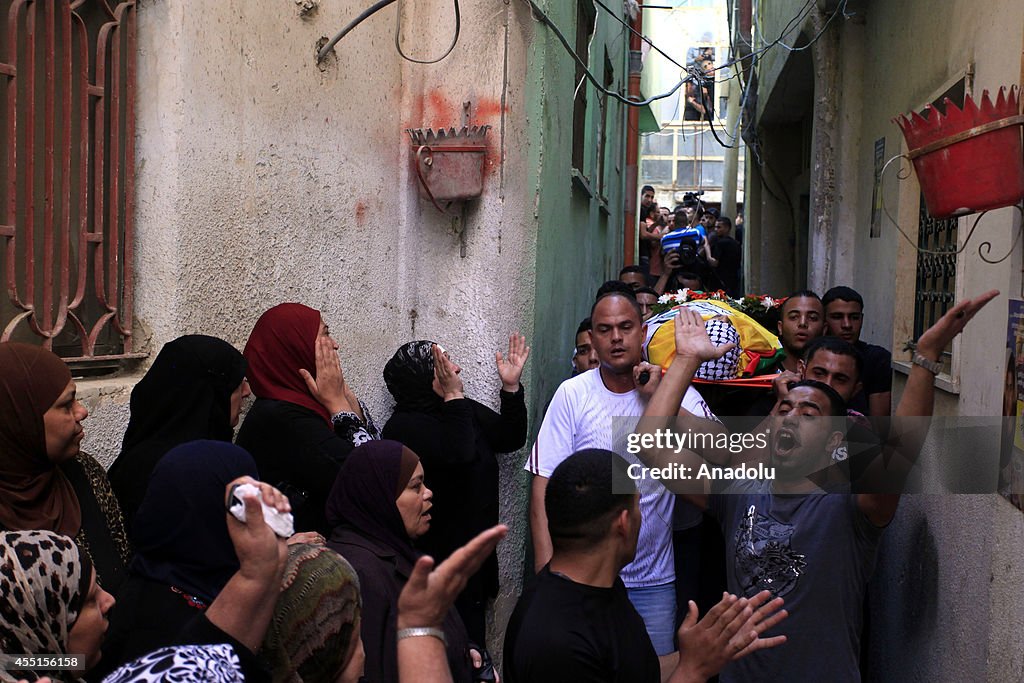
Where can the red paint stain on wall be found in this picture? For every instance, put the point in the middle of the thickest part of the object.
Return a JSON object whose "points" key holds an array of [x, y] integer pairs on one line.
{"points": [[438, 110], [360, 214]]}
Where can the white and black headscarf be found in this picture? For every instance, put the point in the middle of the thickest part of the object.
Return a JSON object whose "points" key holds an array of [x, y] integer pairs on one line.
{"points": [[44, 580], [183, 664]]}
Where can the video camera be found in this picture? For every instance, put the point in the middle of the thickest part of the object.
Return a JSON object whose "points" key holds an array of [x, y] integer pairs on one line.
{"points": [[685, 241], [690, 199]]}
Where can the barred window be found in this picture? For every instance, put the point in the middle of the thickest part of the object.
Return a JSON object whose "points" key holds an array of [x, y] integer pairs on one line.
{"points": [[935, 282], [67, 72]]}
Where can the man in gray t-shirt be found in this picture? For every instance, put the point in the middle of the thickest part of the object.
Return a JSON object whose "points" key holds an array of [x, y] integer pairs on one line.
{"points": [[802, 534], [817, 552]]}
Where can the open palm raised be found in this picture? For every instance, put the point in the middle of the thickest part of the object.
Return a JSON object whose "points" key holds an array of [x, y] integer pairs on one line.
{"points": [[510, 367]]}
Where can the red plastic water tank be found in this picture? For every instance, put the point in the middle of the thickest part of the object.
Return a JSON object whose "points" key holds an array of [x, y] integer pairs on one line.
{"points": [[968, 160]]}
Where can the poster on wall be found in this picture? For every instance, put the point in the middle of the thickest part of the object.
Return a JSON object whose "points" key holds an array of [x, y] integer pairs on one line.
{"points": [[1011, 456], [876, 189]]}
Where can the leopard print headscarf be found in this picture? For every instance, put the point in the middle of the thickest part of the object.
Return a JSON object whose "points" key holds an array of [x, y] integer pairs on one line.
{"points": [[44, 580]]}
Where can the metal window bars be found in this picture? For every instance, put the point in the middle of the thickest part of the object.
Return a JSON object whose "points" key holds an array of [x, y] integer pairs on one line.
{"points": [[67, 90]]}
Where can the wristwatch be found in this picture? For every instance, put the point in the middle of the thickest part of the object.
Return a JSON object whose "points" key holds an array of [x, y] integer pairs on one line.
{"points": [[932, 366]]}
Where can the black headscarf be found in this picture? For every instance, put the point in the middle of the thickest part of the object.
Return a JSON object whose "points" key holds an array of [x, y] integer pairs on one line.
{"points": [[186, 395], [181, 535], [409, 376], [364, 494]]}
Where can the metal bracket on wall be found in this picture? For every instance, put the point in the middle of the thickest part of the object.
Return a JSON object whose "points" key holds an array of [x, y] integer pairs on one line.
{"points": [[984, 249]]}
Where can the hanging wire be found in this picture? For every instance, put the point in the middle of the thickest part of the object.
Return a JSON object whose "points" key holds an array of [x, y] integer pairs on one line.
{"points": [[546, 20], [455, 38], [363, 16], [373, 9]]}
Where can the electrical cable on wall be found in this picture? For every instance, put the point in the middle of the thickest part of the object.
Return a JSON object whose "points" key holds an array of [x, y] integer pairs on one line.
{"points": [[373, 9], [546, 20], [543, 18], [455, 38], [363, 16]]}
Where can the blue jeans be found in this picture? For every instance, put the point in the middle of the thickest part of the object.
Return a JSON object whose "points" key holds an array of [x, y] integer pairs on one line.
{"points": [[657, 607]]}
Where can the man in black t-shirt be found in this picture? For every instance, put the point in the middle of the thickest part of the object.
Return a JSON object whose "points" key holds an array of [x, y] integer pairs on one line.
{"points": [[724, 256], [844, 317], [576, 623]]}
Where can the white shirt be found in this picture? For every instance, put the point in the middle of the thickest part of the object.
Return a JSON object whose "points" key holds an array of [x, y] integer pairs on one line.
{"points": [[584, 413]]}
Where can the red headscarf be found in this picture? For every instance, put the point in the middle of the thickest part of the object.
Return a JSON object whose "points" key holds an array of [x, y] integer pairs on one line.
{"points": [[34, 493], [283, 342]]}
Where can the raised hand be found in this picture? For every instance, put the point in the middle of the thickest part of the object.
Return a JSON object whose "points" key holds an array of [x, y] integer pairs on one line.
{"points": [[780, 384], [767, 612], [328, 388], [692, 339], [510, 368], [429, 593], [730, 630], [936, 338], [447, 374], [261, 553]]}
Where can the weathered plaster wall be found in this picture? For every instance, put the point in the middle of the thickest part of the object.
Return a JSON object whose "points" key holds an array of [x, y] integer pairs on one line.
{"points": [[264, 178], [946, 603]]}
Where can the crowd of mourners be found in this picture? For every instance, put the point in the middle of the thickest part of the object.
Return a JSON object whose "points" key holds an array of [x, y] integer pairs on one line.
{"points": [[316, 546]]}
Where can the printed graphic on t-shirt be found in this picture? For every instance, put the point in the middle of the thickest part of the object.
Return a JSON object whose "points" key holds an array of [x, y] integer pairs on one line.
{"points": [[764, 558]]}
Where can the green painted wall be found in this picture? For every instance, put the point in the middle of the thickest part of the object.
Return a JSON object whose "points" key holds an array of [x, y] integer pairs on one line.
{"points": [[579, 236]]}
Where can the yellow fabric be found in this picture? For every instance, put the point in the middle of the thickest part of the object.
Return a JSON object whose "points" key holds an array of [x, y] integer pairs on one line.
{"points": [[661, 346]]}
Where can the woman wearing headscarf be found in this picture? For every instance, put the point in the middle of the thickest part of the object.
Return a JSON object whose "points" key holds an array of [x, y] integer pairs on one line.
{"points": [[378, 507], [314, 633], [52, 604], [305, 419], [46, 482], [457, 438], [194, 390], [184, 555]]}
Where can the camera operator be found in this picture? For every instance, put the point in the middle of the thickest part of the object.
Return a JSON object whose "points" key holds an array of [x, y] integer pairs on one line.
{"points": [[681, 247]]}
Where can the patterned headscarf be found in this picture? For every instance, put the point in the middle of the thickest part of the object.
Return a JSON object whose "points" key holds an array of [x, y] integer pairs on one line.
{"points": [[44, 580], [283, 342], [180, 663], [409, 376], [34, 493], [315, 627]]}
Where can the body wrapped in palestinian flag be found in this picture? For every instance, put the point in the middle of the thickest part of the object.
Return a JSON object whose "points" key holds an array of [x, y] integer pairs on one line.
{"points": [[758, 349]]}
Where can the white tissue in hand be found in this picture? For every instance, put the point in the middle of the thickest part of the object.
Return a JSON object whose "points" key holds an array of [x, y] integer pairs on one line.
{"points": [[282, 523]]}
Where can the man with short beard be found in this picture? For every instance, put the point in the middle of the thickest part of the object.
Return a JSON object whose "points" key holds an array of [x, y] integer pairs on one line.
{"points": [[803, 535], [586, 412]]}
